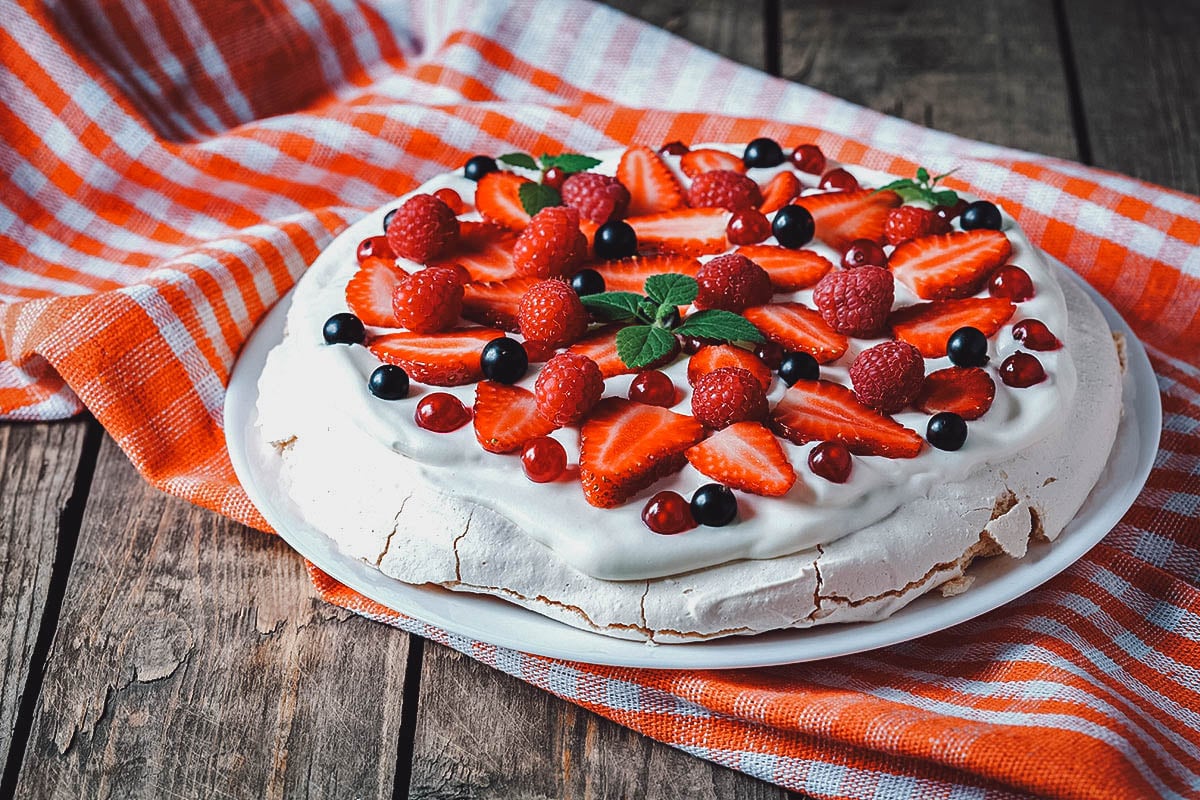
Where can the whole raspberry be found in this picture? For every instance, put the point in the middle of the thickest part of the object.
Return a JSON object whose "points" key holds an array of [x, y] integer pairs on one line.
{"points": [[888, 376], [728, 395], [429, 300], [422, 229], [596, 197], [856, 302], [567, 388], [551, 244], [732, 282], [912, 222], [551, 312], [724, 188]]}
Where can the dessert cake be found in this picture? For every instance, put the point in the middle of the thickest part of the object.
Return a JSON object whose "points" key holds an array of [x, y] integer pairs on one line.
{"points": [[687, 393]]}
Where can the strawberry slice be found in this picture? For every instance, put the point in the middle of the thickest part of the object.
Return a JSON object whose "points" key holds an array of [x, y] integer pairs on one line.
{"points": [[629, 274], [949, 265], [711, 357], [369, 292], [627, 446], [484, 250], [506, 417], [601, 346], [745, 456], [779, 191], [813, 411], [967, 391], [788, 269], [652, 186], [692, 231], [927, 326], [695, 162], [842, 217], [797, 327], [494, 303], [497, 198], [438, 359]]}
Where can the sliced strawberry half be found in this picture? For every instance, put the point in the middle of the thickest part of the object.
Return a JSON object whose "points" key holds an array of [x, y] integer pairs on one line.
{"points": [[967, 391], [820, 411], [779, 191], [601, 346], [497, 198], [715, 356], [506, 417], [695, 162], [927, 326], [626, 446], [745, 456], [950, 265], [369, 292], [438, 359], [842, 217], [494, 303], [652, 186], [484, 250], [797, 327], [692, 231], [629, 274], [789, 269]]}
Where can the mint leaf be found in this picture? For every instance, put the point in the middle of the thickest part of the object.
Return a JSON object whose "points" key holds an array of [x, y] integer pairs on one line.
{"points": [[639, 345], [946, 197], [518, 160], [570, 162], [922, 175], [671, 289], [903, 183], [718, 324], [614, 306], [536, 196]]}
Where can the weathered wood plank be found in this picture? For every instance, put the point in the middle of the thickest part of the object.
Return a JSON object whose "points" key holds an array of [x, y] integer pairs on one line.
{"points": [[735, 30], [193, 658]]}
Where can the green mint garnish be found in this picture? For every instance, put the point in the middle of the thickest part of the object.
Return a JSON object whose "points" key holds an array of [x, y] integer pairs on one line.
{"points": [[923, 188], [521, 160], [542, 196], [717, 324], [569, 162], [639, 345], [536, 196]]}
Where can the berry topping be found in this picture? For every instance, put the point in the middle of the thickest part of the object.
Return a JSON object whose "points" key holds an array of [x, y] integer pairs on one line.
{"points": [[732, 282], [839, 180], [981, 215], [798, 367], [429, 300], [763, 152], [794, 326], [863, 253], [697, 162], [724, 188], [653, 388], [555, 178], [842, 217], [630, 274], [388, 382], [692, 344], [813, 411], [809, 158], [551, 244], [912, 222], [692, 231], [745, 456], [967, 347], [441, 412], [951, 211], [675, 148], [438, 359], [484, 250], [601, 346], [967, 391], [714, 357], [538, 352], [652, 186], [498, 199], [504, 360], [373, 247], [387, 219], [946, 431], [369, 292], [832, 461], [478, 166], [506, 417], [779, 191], [1011, 282], [587, 281], [856, 301], [543, 459], [770, 353], [888, 376], [451, 198], [616, 239], [551, 312], [949, 265], [1034, 334], [668, 513], [495, 303], [748, 226], [567, 388], [596, 197], [728, 395], [793, 226], [423, 229], [928, 326], [714, 505], [1021, 370]]}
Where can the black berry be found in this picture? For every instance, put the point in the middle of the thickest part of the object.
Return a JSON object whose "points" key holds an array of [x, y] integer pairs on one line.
{"points": [[967, 347], [798, 367], [387, 219], [671, 319], [946, 431], [504, 360], [980, 214], [793, 226], [587, 281], [344, 328], [389, 382], [714, 505], [615, 239], [763, 152], [478, 166]]}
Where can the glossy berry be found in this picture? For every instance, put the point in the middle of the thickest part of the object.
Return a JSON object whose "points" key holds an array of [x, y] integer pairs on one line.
{"points": [[1011, 282], [769, 353], [441, 412], [671, 319], [451, 198], [763, 152], [504, 360], [1034, 334], [692, 344], [732, 282], [967, 347], [597, 197], [946, 431], [809, 158], [423, 229], [981, 214], [550, 311], [798, 367], [478, 166], [388, 217], [831, 460], [543, 459], [554, 178], [653, 388], [728, 395], [724, 188], [344, 328], [616, 239], [1021, 370], [838, 179], [793, 226], [676, 148], [863, 253], [668, 513], [388, 382], [951, 212], [374, 247], [888, 376], [714, 505], [567, 388], [748, 226], [587, 281], [429, 300]]}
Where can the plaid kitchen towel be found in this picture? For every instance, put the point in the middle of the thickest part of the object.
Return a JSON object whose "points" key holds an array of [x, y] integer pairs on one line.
{"points": [[169, 169]]}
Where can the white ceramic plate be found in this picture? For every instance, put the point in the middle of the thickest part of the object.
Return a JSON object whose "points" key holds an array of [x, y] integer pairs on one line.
{"points": [[997, 580]]}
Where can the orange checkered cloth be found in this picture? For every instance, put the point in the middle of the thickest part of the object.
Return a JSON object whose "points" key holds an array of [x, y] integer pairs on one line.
{"points": [[170, 169]]}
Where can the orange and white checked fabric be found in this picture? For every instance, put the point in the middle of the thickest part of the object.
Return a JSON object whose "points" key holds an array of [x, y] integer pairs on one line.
{"points": [[168, 170]]}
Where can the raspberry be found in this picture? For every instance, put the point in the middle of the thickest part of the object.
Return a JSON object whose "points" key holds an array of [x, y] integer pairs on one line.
{"points": [[429, 300], [422, 229], [551, 312], [728, 395], [596, 197], [724, 188], [912, 222], [732, 282], [856, 302], [888, 376], [551, 244], [567, 388]]}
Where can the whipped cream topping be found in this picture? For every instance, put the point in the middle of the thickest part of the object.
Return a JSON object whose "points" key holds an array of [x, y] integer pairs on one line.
{"points": [[329, 383]]}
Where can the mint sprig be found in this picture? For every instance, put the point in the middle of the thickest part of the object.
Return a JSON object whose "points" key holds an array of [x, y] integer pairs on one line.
{"points": [[569, 162], [923, 188], [536, 196]]}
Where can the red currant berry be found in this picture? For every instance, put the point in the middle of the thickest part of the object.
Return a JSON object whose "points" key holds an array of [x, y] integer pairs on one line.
{"points": [[951, 212], [675, 148], [831, 460], [864, 253], [374, 247], [554, 178], [653, 388], [668, 512], [1034, 334], [543, 459], [770, 354], [1021, 369], [441, 412], [1011, 282], [838, 179], [809, 158], [538, 351], [748, 226], [451, 198]]}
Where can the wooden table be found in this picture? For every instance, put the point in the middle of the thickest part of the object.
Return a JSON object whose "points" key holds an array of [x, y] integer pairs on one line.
{"points": [[153, 649]]}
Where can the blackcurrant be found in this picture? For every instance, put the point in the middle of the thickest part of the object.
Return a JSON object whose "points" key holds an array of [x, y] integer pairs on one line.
{"points": [[763, 152], [798, 367], [478, 166], [793, 226], [967, 347], [671, 319], [387, 219], [714, 505], [388, 382], [587, 281], [946, 431], [504, 360], [344, 328], [981, 214], [616, 239]]}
